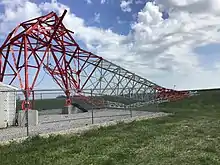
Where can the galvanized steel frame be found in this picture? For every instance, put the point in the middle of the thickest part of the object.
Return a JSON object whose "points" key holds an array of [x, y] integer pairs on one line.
{"points": [[52, 47]]}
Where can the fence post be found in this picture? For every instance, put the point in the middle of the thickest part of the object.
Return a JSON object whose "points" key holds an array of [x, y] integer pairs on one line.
{"points": [[130, 110], [33, 99], [92, 116], [92, 110]]}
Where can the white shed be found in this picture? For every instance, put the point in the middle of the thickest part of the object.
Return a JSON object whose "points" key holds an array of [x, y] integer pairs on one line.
{"points": [[7, 105]]}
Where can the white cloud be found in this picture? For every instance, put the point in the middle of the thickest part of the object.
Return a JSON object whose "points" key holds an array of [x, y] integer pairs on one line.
{"points": [[97, 17], [161, 50], [103, 1], [119, 21], [15, 12], [125, 5], [140, 1], [88, 1]]}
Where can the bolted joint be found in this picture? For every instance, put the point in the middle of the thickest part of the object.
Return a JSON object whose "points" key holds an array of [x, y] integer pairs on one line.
{"points": [[68, 101], [26, 105]]}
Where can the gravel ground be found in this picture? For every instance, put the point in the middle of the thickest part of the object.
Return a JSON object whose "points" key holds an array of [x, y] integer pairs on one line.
{"points": [[55, 123]]}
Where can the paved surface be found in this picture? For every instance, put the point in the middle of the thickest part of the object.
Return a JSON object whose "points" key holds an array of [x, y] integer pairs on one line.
{"points": [[58, 122]]}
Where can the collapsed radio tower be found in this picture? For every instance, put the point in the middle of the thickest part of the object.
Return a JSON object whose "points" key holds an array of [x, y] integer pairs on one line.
{"points": [[45, 43]]}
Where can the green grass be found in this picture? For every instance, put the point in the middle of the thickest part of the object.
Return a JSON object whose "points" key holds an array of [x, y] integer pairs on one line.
{"points": [[206, 100], [190, 136]]}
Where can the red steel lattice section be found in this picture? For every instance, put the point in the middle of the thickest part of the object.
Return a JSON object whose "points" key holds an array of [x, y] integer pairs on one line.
{"points": [[45, 43], [170, 94]]}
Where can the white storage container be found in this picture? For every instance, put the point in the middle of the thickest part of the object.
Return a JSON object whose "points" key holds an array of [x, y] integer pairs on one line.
{"points": [[7, 105]]}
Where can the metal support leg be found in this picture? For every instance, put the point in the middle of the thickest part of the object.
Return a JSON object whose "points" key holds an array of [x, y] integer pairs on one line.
{"points": [[26, 111]]}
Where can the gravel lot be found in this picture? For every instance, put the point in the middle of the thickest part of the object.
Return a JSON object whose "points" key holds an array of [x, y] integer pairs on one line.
{"points": [[54, 123]]}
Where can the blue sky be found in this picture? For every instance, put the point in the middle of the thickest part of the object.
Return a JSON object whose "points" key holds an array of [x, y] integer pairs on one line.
{"points": [[208, 54], [183, 44], [110, 16], [109, 12]]}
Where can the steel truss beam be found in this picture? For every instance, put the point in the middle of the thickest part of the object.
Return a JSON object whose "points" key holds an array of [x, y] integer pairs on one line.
{"points": [[45, 43]]}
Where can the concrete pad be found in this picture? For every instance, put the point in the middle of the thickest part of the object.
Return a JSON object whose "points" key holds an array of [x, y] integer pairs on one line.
{"points": [[32, 118]]}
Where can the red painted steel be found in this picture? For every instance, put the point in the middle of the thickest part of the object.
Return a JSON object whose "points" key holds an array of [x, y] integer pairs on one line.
{"points": [[170, 94], [45, 43]]}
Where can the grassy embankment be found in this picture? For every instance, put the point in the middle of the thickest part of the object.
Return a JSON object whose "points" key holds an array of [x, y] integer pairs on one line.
{"points": [[190, 136], [58, 103]]}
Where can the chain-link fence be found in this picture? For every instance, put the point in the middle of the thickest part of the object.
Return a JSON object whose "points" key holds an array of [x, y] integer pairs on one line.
{"points": [[47, 114]]}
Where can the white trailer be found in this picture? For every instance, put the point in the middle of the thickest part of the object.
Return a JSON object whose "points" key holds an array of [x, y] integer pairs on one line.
{"points": [[7, 105]]}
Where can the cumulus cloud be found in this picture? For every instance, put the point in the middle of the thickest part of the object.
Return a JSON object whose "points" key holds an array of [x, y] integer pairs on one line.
{"points": [[125, 5], [193, 6], [15, 12], [158, 49]]}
